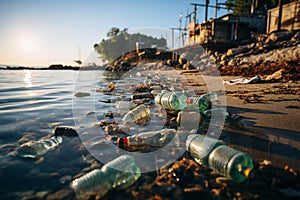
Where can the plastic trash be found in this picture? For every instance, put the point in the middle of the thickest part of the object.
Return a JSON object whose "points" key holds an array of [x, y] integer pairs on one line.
{"points": [[100, 181], [171, 100], [138, 115], [33, 149], [125, 105], [147, 140], [224, 160], [203, 102]]}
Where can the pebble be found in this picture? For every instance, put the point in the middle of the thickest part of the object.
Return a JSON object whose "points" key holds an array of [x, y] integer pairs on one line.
{"points": [[82, 94]]}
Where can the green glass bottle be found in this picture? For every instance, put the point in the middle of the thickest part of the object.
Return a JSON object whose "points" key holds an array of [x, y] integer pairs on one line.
{"points": [[172, 100], [202, 103], [224, 160]]}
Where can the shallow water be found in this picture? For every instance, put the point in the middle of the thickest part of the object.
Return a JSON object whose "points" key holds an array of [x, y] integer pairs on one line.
{"points": [[34, 102]]}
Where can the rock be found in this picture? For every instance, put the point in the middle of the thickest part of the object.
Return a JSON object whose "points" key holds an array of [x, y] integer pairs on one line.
{"points": [[275, 76], [63, 194], [279, 36], [82, 94]]}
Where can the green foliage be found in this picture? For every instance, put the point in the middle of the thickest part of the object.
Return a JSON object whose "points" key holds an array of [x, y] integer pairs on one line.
{"points": [[121, 42], [242, 7]]}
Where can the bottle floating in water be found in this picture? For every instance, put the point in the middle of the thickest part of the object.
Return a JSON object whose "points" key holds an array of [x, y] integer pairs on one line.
{"points": [[100, 181], [33, 149], [147, 140], [125, 105], [171, 100], [224, 160], [138, 115], [203, 102]]}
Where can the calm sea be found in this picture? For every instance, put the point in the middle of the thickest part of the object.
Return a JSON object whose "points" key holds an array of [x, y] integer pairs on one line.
{"points": [[34, 102]]}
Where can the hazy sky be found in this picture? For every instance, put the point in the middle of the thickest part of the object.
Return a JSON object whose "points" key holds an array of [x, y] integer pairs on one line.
{"points": [[44, 32]]}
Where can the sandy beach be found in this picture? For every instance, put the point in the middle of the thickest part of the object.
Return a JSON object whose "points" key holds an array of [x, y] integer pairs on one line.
{"points": [[269, 111]]}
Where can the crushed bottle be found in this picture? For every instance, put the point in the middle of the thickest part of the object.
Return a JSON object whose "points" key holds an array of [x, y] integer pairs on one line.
{"points": [[171, 100], [100, 181], [147, 140], [138, 115], [224, 160], [33, 149]]}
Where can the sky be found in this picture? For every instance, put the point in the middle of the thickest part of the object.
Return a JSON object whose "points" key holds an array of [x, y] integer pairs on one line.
{"points": [[44, 32]]}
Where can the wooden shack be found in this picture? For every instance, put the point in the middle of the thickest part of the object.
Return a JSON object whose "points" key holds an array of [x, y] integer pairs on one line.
{"points": [[224, 30], [290, 17]]}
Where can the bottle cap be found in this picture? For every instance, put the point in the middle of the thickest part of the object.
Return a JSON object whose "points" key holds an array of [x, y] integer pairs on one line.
{"points": [[247, 172], [122, 142], [189, 100]]}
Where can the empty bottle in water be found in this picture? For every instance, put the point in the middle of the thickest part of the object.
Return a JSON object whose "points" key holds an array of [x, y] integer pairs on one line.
{"points": [[100, 181], [202, 102], [138, 115], [147, 140], [33, 149], [224, 160], [125, 105], [172, 100]]}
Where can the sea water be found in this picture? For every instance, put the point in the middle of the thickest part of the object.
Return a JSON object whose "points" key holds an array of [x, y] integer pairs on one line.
{"points": [[34, 102]]}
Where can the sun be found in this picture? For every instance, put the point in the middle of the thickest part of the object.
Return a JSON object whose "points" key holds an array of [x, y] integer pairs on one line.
{"points": [[27, 43]]}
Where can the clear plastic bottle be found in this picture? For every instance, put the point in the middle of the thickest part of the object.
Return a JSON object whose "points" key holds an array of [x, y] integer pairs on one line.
{"points": [[100, 181], [202, 102], [33, 149], [138, 115], [224, 160], [147, 140], [172, 100], [200, 147], [125, 105]]}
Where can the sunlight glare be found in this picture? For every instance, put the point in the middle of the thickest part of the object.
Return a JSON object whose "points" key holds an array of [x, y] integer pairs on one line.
{"points": [[27, 44]]}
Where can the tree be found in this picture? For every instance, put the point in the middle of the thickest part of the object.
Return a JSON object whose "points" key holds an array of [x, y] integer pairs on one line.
{"points": [[121, 42], [243, 7]]}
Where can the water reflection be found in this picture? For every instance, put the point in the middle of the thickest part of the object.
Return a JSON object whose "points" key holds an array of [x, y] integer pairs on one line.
{"points": [[27, 78]]}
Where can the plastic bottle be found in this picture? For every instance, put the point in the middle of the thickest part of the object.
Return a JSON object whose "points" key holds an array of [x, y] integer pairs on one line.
{"points": [[100, 181], [147, 140], [202, 102], [138, 115], [224, 160], [172, 100], [32, 149], [125, 105]]}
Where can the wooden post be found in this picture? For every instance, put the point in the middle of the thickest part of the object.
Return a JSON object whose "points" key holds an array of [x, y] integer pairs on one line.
{"points": [[279, 15], [206, 9]]}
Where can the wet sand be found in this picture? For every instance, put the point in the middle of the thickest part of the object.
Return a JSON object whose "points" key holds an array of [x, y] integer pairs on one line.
{"points": [[269, 113]]}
